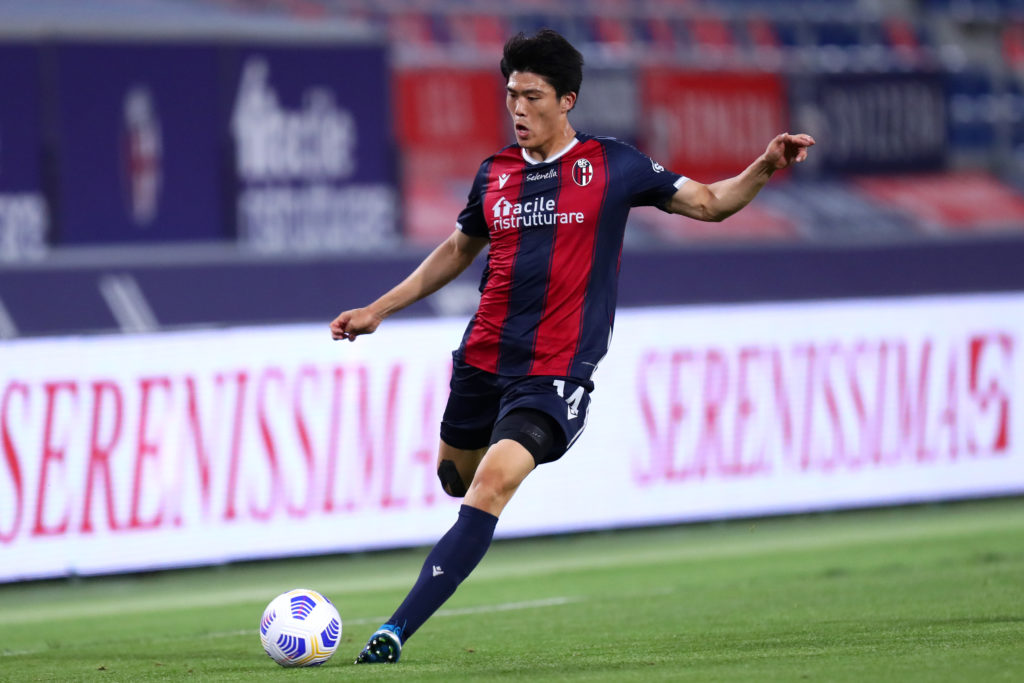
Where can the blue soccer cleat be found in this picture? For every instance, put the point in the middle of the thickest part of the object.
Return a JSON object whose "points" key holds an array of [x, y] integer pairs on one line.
{"points": [[384, 646]]}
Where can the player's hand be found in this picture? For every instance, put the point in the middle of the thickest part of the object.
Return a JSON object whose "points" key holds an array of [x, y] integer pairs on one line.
{"points": [[351, 324], [787, 149]]}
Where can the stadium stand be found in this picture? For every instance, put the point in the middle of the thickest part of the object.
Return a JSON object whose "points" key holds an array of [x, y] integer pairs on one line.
{"points": [[912, 101]]}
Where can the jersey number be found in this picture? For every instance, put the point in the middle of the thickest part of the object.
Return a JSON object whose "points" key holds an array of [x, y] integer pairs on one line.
{"points": [[573, 401]]}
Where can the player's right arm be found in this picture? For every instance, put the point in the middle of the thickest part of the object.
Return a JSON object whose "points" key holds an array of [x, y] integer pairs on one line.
{"points": [[442, 266]]}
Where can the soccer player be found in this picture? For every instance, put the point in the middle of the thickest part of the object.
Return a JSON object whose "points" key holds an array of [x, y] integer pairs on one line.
{"points": [[553, 209]]}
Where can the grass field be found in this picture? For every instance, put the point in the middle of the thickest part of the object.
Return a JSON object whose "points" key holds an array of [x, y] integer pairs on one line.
{"points": [[931, 593]]}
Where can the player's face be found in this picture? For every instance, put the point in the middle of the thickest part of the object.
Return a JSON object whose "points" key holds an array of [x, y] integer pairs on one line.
{"points": [[538, 114]]}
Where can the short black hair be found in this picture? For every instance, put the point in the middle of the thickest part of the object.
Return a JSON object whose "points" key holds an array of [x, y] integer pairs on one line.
{"points": [[547, 54]]}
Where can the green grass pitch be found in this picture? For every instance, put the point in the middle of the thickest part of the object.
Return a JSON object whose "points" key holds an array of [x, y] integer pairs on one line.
{"points": [[930, 593]]}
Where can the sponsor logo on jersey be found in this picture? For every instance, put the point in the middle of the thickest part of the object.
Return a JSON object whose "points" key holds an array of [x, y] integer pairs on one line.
{"points": [[537, 212], [502, 179], [502, 207], [658, 168], [553, 173], [583, 172]]}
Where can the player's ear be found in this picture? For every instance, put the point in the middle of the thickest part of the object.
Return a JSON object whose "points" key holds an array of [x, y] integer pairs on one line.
{"points": [[568, 102]]}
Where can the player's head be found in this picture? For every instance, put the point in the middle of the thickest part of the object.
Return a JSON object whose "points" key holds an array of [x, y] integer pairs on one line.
{"points": [[548, 55], [543, 75]]}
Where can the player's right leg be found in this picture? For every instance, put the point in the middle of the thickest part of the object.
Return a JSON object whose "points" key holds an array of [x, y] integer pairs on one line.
{"points": [[504, 467], [540, 419], [465, 436]]}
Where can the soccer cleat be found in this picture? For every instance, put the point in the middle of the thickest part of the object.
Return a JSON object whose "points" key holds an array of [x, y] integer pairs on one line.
{"points": [[384, 646]]}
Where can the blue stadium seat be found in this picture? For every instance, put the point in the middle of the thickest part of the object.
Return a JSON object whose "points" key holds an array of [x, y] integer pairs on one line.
{"points": [[971, 97], [842, 34]]}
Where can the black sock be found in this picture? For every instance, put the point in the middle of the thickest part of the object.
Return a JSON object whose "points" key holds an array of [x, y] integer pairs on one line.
{"points": [[448, 563]]}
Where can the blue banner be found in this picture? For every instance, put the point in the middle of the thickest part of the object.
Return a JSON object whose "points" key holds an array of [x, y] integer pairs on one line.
{"points": [[139, 156], [24, 218], [871, 123], [310, 129]]}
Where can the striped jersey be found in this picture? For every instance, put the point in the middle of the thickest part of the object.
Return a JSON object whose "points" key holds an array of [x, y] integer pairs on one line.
{"points": [[547, 303]]}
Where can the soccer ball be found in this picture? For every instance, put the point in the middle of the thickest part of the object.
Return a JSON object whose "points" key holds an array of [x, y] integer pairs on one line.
{"points": [[300, 628]]}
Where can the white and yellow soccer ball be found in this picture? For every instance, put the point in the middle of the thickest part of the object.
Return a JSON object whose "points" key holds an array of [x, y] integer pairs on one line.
{"points": [[300, 628]]}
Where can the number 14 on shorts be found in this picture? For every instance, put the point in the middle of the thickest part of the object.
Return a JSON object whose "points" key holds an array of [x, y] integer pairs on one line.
{"points": [[573, 400]]}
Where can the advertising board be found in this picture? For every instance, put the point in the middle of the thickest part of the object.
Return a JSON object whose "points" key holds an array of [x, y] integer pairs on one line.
{"points": [[874, 123], [709, 125], [312, 163], [127, 453], [138, 153], [447, 121], [24, 215]]}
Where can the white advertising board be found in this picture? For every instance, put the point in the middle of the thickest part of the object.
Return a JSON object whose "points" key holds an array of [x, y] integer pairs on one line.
{"points": [[137, 452]]}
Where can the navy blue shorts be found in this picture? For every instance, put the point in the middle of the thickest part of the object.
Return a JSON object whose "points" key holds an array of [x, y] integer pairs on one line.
{"points": [[478, 399]]}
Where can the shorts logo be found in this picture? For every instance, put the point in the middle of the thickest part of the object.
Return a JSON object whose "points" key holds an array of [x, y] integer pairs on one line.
{"points": [[582, 173]]}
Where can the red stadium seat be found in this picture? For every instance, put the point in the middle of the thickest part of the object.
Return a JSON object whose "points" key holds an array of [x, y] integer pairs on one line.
{"points": [[1013, 45]]}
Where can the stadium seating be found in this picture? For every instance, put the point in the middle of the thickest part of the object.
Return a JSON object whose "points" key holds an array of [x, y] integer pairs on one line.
{"points": [[963, 59]]}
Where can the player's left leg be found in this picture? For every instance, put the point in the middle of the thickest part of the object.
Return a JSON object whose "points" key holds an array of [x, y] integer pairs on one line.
{"points": [[502, 470], [466, 426]]}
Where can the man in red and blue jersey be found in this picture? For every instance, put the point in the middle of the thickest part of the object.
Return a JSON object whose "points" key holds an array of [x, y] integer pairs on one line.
{"points": [[553, 209]]}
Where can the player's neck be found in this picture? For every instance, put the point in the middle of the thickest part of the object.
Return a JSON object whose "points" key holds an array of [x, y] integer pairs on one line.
{"points": [[552, 146]]}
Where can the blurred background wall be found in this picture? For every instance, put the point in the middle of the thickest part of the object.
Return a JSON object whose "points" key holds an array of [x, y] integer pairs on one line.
{"points": [[162, 162], [204, 172]]}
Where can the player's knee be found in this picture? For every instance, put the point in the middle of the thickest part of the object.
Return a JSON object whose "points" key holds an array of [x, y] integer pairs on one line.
{"points": [[494, 484], [451, 480]]}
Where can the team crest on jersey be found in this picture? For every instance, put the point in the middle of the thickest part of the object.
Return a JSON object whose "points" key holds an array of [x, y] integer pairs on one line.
{"points": [[583, 172]]}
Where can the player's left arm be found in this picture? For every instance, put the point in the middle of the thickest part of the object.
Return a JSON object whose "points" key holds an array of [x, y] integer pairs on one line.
{"points": [[718, 201]]}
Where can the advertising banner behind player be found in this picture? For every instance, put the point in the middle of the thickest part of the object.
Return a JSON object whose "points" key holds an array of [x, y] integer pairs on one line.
{"points": [[124, 453], [609, 105], [873, 122], [709, 125], [448, 120], [310, 133], [24, 219], [139, 157]]}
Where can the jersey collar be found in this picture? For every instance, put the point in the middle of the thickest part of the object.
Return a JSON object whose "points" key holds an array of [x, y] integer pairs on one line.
{"points": [[534, 162]]}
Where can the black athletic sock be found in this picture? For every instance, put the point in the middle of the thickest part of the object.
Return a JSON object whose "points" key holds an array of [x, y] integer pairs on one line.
{"points": [[448, 563]]}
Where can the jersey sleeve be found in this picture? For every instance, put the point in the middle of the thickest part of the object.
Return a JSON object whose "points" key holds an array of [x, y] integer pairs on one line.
{"points": [[471, 220], [648, 181]]}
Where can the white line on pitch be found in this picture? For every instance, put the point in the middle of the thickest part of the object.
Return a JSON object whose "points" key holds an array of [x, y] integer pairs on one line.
{"points": [[507, 606], [362, 621], [455, 612]]}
